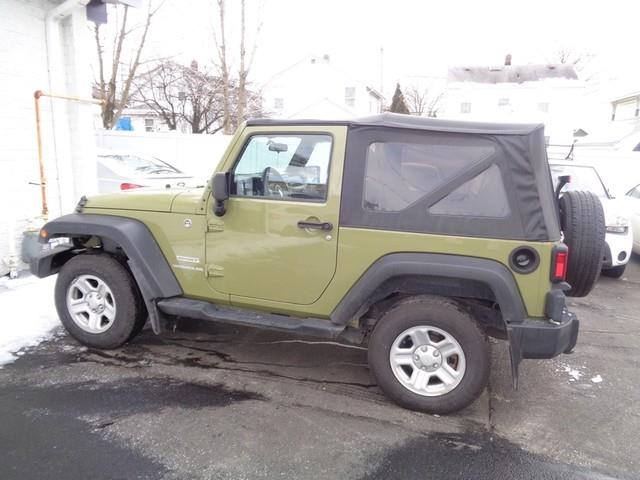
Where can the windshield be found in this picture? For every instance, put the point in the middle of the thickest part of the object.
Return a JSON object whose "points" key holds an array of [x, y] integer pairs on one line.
{"points": [[145, 165], [582, 178]]}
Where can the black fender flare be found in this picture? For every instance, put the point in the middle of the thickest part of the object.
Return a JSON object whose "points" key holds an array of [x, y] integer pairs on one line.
{"points": [[148, 264], [452, 275], [440, 274]]}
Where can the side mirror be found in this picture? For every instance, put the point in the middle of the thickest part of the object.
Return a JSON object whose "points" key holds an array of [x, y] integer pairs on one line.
{"points": [[220, 186]]}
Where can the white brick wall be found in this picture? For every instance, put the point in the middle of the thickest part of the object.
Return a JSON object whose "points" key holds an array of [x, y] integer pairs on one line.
{"points": [[24, 69]]}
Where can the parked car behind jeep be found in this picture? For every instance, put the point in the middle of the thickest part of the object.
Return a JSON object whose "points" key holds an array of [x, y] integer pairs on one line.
{"points": [[121, 170], [416, 237]]}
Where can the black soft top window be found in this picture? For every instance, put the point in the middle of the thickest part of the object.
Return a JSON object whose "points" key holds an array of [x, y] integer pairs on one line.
{"points": [[448, 182]]}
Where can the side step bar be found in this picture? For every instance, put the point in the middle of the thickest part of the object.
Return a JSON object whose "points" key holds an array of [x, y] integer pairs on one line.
{"points": [[186, 307]]}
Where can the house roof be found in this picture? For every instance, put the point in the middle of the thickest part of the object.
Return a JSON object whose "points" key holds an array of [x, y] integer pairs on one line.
{"points": [[394, 120], [511, 73], [324, 60], [627, 97]]}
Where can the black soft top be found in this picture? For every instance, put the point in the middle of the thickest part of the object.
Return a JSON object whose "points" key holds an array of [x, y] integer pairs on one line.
{"points": [[394, 120], [517, 150]]}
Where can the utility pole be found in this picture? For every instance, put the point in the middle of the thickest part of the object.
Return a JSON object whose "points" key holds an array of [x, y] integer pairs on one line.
{"points": [[382, 70]]}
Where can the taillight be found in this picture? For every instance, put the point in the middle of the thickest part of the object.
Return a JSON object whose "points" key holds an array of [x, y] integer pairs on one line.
{"points": [[129, 186], [560, 260]]}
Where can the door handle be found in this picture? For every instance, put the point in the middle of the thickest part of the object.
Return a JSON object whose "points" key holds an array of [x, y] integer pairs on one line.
{"points": [[325, 226]]}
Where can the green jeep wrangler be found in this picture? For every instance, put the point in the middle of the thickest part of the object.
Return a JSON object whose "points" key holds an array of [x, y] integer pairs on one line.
{"points": [[417, 237]]}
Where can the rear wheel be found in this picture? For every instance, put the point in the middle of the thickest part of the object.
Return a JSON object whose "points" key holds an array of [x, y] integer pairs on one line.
{"points": [[98, 301], [583, 225], [614, 272], [430, 355]]}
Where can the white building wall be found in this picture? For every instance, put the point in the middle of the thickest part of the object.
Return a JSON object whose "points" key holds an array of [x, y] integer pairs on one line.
{"points": [[23, 70], [316, 90], [557, 103]]}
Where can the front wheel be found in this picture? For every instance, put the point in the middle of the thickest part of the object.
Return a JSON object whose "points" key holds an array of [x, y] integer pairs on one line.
{"points": [[98, 301], [430, 355]]}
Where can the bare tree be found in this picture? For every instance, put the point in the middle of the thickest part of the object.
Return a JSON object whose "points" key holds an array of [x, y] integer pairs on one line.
{"points": [[421, 101], [245, 64], [581, 61], [223, 67], [116, 89], [158, 89], [184, 97], [202, 108], [416, 99]]}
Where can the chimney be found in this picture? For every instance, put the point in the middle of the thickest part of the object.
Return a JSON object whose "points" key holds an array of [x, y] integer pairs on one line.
{"points": [[326, 58], [507, 59], [194, 65]]}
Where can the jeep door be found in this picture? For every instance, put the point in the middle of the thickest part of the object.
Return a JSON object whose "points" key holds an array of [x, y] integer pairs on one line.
{"points": [[277, 240]]}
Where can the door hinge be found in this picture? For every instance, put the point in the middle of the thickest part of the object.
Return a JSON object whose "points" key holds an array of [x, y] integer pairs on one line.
{"points": [[214, 270], [214, 225]]}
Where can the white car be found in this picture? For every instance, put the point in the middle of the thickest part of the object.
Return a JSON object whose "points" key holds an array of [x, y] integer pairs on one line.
{"points": [[633, 202], [619, 236], [124, 171]]}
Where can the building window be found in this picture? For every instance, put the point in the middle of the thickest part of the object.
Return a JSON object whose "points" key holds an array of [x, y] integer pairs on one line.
{"points": [[278, 103], [465, 107], [350, 96], [182, 96], [149, 124], [543, 107], [503, 102]]}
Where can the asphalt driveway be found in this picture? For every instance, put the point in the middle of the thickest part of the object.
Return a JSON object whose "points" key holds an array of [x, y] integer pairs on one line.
{"points": [[208, 401]]}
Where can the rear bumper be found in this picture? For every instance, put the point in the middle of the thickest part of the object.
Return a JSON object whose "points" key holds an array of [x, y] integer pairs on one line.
{"points": [[543, 338], [535, 338]]}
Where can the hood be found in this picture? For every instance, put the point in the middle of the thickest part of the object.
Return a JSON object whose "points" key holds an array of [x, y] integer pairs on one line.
{"points": [[145, 199], [188, 201]]}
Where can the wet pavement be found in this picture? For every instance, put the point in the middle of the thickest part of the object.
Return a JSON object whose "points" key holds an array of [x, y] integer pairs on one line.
{"points": [[209, 401]]}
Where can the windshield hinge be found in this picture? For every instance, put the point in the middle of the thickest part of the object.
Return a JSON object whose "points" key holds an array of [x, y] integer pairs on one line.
{"points": [[214, 270], [214, 225]]}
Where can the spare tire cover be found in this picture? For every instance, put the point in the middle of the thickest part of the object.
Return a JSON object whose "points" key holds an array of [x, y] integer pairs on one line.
{"points": [[583, 226]]}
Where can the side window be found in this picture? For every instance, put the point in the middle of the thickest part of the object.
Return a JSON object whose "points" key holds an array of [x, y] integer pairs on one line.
{"points": [[399, 174], [284, 167], [482, 196]]}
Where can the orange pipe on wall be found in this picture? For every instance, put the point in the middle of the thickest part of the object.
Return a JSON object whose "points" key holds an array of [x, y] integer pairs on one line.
{"points": [[43, 179]]}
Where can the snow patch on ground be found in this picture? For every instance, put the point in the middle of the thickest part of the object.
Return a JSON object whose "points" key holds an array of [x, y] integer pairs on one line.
{"points": [[576, 373], [27, 314], [573, 373]]}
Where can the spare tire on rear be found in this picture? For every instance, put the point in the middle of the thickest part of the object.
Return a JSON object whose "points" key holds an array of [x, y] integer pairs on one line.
{"points": [[582, 222]]}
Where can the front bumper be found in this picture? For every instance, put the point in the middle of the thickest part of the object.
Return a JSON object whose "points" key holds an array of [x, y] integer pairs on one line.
{"points": [[617, 249]]}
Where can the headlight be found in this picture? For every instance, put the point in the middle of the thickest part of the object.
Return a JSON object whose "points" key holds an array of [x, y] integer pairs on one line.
{"points": [[618, 225]]}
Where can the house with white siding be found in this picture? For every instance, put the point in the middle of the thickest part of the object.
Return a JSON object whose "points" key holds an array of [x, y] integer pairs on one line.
{"points": [[547, 93], [315, 88]]}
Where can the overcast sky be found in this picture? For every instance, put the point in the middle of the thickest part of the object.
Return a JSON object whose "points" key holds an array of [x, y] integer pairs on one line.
{"points": [[419, 38]]}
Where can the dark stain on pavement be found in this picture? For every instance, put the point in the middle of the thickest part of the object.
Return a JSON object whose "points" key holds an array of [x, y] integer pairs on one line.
{"points": [[60, 425], [470, 455]]}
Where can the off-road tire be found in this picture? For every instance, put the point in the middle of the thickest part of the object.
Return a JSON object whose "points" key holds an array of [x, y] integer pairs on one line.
{"points": [[583, 225], [130, 314], [614, 272], [449, 316]]}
